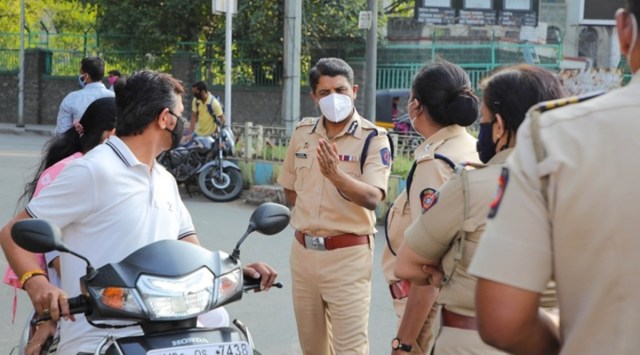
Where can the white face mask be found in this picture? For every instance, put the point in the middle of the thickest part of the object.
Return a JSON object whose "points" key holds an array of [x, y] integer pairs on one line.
{"points": [[336, 107]]}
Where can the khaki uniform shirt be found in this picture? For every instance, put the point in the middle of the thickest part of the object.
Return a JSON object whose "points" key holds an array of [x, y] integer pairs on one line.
{"points": [[454, 143], [320, 209], [586, 235], [432, 235]]}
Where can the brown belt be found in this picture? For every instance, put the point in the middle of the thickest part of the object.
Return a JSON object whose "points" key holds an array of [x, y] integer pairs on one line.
{"points": [[330, 243], [455, 320], [400, 289]]}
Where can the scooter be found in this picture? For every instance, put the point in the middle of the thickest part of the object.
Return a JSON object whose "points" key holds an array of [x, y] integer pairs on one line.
{"points": [[162, 287]]}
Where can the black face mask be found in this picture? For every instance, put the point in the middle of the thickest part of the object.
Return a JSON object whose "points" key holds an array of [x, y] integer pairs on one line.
{"points": [[176, 133], [485, 146]]}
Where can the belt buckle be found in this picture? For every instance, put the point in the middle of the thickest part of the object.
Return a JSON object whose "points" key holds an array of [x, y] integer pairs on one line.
{"points": [[314, 243]]}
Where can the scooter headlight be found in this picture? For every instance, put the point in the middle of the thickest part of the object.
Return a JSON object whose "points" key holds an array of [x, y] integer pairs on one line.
{"points": [[177, 298], [228, 285]]}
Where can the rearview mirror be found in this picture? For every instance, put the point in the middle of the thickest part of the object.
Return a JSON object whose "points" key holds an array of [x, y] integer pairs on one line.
{"points": [[270, 218], [37, 236]]}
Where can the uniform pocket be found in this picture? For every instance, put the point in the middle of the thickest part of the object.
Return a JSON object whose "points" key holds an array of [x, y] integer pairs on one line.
{"points": [[302, 168], [352, 168]]}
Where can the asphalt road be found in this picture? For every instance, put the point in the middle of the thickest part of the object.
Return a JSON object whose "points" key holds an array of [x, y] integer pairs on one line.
{"points": [[269, 315]]}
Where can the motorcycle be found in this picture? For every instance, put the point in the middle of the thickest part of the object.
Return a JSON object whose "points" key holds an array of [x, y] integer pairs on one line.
{"points": [[202, 161], [162, 287]]}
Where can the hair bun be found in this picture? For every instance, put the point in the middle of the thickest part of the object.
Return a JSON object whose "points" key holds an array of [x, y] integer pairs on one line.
{"points": [[464, 109]]}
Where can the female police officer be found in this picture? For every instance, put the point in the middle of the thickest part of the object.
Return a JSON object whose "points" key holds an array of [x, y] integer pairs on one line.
{"points": [[440, 105], [447, 235]]}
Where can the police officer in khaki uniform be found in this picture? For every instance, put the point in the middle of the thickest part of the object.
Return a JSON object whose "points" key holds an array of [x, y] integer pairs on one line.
{"points": [[441, 104], [334, 174], [568, 211], [446, 236]]}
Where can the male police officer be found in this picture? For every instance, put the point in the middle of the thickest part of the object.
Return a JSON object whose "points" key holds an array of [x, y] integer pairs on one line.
{"points": [[566, 211], [334, 174]]}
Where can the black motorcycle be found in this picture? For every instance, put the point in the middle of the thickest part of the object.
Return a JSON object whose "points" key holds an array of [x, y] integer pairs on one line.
{"points": [[162, 287], [203, 162]]}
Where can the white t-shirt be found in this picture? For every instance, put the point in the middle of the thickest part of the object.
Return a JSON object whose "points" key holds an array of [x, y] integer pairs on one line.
{"points": [[108, 204]]}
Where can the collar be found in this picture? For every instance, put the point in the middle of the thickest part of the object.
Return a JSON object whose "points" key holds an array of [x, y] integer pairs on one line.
{"points": [[500, 157], [122, 151], [95, 84], [352, 127], [432, 143]]}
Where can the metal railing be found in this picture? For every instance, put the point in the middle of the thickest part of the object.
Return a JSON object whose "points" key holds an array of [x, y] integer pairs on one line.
{"points": [[270, 142]]}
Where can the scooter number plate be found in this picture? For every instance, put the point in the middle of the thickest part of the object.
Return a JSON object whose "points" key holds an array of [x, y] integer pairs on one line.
{"points": [[234, 348]]}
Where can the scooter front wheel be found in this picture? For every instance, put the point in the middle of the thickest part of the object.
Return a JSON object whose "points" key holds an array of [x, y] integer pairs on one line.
{"points": [[220, 186]]}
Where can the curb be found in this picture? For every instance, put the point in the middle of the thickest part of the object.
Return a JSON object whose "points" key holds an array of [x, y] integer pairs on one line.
{"points": [[40, 131]]}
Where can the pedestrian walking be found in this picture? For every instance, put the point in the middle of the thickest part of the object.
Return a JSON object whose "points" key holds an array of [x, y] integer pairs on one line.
{"points": [[75, 103]]}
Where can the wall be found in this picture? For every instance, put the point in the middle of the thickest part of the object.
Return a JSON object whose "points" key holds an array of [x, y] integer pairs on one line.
{"points": [[43, 93]]}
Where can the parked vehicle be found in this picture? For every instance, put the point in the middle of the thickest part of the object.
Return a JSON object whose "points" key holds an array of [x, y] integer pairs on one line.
{"points": [[203, 162], [162, 287]]}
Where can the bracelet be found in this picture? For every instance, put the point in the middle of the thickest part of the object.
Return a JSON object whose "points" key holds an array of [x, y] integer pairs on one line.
{"points": [[29, 274]]}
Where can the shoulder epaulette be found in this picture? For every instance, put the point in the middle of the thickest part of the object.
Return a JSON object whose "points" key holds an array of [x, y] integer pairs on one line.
{"points": [[565, 101], [534, 115], [307, 121]]}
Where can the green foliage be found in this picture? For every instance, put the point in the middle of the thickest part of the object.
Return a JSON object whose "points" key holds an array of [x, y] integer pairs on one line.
{"points": [[401, 166]]}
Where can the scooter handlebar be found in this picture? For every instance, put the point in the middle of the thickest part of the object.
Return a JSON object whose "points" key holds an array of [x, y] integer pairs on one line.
{"points": [[254, 284], [78, 304]]}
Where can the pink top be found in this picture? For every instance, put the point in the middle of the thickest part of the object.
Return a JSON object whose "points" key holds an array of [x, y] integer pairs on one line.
{"points": [[45, 179], [50, 174]]}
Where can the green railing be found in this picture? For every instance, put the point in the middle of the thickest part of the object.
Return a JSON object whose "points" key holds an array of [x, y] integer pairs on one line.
{"points": [[477, 57]]}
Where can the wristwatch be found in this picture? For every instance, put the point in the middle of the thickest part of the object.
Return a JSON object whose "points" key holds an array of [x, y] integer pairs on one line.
{"points": [[397, 344]]}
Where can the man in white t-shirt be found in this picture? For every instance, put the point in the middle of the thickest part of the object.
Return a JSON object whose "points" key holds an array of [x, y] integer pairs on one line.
{"points": [[76, 102], [111, 202]]}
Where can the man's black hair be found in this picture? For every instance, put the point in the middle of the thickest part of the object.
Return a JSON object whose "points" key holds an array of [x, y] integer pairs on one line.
{"points": [[329, 67], [94, 67]]}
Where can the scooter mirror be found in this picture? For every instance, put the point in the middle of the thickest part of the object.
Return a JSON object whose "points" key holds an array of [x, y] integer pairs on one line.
{"points": [[37, 235], [270, 218]]}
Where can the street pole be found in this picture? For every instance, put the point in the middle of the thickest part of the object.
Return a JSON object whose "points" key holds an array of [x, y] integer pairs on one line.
{"points": [[227, 63], [371, 64], [292, 39], [21, 73]]}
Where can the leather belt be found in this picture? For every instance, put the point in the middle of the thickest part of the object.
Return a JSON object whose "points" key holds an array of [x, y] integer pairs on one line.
{"points": [[455, 320], [400, 289], [330, 243]]}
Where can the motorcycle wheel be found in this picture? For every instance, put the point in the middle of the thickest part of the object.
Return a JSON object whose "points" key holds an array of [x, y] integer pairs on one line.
{"points": [[220, 187]]}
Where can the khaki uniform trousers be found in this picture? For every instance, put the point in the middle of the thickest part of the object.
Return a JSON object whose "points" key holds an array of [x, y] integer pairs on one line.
{"points": [[331, 298], [424, 342], [455, 341]]}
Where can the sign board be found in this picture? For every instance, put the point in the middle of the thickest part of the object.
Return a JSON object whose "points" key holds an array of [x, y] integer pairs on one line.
{"points": [[435, 3], [478, 4], [364, 20], [518, 18], [599, 12], [518, 5], [220, 6], [436, 16], [477, 17]]}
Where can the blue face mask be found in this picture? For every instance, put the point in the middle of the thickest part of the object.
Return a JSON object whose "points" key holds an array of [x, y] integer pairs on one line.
{"points": [[485, 146], [81, 80]]}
